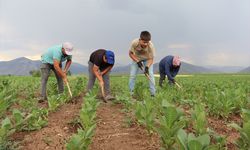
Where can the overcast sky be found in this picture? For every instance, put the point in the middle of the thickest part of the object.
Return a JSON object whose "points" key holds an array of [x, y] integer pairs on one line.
{"points": [[202, 32]]}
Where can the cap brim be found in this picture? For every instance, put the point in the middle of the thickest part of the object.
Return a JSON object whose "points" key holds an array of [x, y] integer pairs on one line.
{"points": [[69, 52]]}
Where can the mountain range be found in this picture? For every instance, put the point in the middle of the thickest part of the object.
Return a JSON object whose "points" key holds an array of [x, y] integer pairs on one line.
{"points": [[246, 70], [23, 66]]}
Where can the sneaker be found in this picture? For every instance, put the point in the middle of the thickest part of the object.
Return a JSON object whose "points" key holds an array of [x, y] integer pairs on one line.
{"points": [[109, 97]]}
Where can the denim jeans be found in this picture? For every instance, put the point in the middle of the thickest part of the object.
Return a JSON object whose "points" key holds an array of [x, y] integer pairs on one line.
{"points": [[45, 72], [133, 72]]}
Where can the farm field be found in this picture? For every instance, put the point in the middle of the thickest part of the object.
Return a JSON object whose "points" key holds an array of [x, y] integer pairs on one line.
{"points": [[208, 112]]}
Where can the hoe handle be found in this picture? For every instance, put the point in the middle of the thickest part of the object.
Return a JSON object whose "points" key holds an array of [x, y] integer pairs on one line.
{"points": [[70, 93], [103, 94]]}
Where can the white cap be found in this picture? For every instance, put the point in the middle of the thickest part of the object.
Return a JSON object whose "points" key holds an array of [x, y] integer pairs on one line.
{"points": [[68, 47]]}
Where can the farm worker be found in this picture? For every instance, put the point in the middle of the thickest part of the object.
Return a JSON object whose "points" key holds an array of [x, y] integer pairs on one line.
{"points": [[100, 64], [52, 60], [169, 66], [142, 53]]}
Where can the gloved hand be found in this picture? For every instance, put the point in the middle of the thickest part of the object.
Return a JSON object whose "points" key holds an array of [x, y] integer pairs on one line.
{"points": [[146, 70], [140, 64]]}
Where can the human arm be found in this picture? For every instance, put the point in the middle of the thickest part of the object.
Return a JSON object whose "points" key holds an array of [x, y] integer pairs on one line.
{"points": [[59, 71], [175, 72], [98, 75], [67, 65], [136, 59], [133, 57], [168, 73], [150, 62], [106, 70]]}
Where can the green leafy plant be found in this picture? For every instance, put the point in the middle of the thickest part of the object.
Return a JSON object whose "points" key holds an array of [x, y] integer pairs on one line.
{"points": [[81, 140], [36, 119], [199, 118], [18, 118], [145, 114], [220, 141], [78, 85], [5, 131], [139, 91], [6, 99], [54, 102], [244, 141], [124, 99], [170, 123], [246, 114], [87, 116], [190, 142]]}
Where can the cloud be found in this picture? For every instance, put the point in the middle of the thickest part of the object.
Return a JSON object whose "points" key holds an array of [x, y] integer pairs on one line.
{"points": [[4, 28], [4, 58], [34, 57], [81, 56], [186, 28], [221, 58], [179, 46]]}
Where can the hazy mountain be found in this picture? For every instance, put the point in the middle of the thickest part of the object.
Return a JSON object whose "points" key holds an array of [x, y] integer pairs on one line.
{"points": [[226, 69], [246, 70], [22, 66], [121, 69], [19, 66], [77, 68], [187, 68]]}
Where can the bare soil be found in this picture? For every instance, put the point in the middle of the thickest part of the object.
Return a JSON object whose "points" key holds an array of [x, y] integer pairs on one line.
{"points": [[55, 134], [115, 130], [114, 133], [221, 127]]}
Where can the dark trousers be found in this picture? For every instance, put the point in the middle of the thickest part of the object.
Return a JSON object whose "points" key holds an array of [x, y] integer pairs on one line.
{"points": [[92, 79], [163, 77], [45, 72]]}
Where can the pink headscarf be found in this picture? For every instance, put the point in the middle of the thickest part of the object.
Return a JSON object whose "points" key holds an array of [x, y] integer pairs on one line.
{"points": [[176, 61]]}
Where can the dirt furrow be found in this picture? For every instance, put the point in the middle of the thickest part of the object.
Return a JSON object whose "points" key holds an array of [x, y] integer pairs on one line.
{"points": [[113, 133], [55, 135]]}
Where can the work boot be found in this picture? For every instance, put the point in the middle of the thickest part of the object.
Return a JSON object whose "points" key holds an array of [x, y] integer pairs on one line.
{"points": [[99, 95], [160, 82], [42, 99], [109, 97], [171, 83]]}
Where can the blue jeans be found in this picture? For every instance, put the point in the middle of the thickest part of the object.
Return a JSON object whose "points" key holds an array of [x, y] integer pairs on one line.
{"points": [[133, 72]]}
